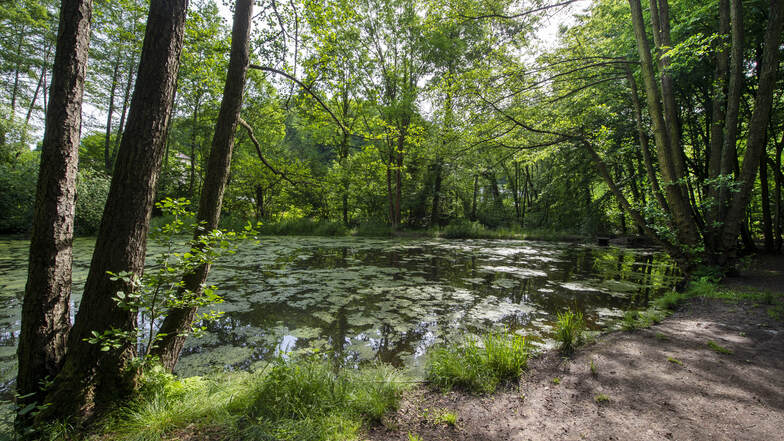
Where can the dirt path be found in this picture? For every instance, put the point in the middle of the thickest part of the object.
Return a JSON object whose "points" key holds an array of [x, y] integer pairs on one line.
{"points": [[661, 383]]}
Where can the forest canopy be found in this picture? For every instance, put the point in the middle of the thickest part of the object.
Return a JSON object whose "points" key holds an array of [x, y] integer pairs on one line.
{"points": [[427, 114]]}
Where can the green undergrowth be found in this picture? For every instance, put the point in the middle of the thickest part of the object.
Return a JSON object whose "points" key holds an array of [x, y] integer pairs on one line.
{"points": [[478, 365], [303, 227], [703, 288], [475, 230], [305, 400], [706, 288]]}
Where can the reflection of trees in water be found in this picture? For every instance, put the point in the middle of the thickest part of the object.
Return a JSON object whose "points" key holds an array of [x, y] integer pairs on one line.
{"points": [[445, 270], [391, 344]]}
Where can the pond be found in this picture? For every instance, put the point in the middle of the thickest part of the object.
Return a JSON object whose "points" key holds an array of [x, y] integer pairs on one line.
{"points": [[361, 299]]}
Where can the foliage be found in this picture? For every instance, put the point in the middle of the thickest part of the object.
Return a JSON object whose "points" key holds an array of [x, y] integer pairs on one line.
{"points": [[92, 189], [479, 365], [17, 179], [162, 289], [569, 330], [303, 227]]}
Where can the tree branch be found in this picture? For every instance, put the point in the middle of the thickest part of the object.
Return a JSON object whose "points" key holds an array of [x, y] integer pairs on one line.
{"points": [[306, 89]]}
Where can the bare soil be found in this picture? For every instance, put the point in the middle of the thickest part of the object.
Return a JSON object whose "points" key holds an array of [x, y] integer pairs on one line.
{"points": [[660, 383]]}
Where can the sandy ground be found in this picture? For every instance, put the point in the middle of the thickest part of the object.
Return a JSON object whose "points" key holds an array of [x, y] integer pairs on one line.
{"points": [[661, 383]]}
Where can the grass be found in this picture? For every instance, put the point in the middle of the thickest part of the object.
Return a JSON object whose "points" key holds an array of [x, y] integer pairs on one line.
{"points": [[629, 322], [569, 330], [556, 381], [447, 417], [601, 398], [675, 361], [373, 229], [478, 365], [475, 230], [594, 370], [303, 400], [303, 227], [707, 288], [718, 348], [414, 437]]}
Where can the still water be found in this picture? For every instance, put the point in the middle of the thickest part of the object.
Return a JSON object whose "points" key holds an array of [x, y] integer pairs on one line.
{"points": [[360, 299]]}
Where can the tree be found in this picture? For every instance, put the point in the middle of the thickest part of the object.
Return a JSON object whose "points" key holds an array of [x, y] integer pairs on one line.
{"points": [[45, 311], [91, 379], [177, 324]]}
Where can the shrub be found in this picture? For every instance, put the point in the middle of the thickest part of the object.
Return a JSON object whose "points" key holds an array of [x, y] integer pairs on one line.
{"points": [[629, 322], [17, 197], [373, 229], [303, 227], [92, 189], [465, 230], [478, 366], [670, 301], [569, 330]]}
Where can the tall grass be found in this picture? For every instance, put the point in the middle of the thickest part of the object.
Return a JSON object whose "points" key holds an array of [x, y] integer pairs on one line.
{"points": [[475, 230], [304, 400], [478, 365], [303, 227], [569, 330]]}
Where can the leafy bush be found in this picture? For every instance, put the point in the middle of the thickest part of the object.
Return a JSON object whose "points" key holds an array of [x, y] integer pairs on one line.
{"points": [[465, 230], [92, 189], [479, 366], [373, 229], [669, 301], [303, 227], [18, 183], [629, 322], [569, 330]]}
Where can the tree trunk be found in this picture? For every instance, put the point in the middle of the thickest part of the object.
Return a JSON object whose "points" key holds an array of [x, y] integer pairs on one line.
{"points": [[767, 222], [38, 87], [435, 212], [178, 323], [194, 122], [729, 153], [126, 101], [679, 206], [45, 310], [719, 102], [107, 154], [15, 87], [644, 147], [777, 176], [473, 200], [757, 133], [91, 379]]}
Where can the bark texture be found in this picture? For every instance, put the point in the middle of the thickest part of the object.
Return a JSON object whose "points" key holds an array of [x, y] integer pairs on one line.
{"points": [[178, 323], [757, 134], [91, 379], [45, 311]]}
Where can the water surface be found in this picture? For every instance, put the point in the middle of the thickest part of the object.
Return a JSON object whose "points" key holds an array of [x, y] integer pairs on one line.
{"points": [[360, 299]]}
